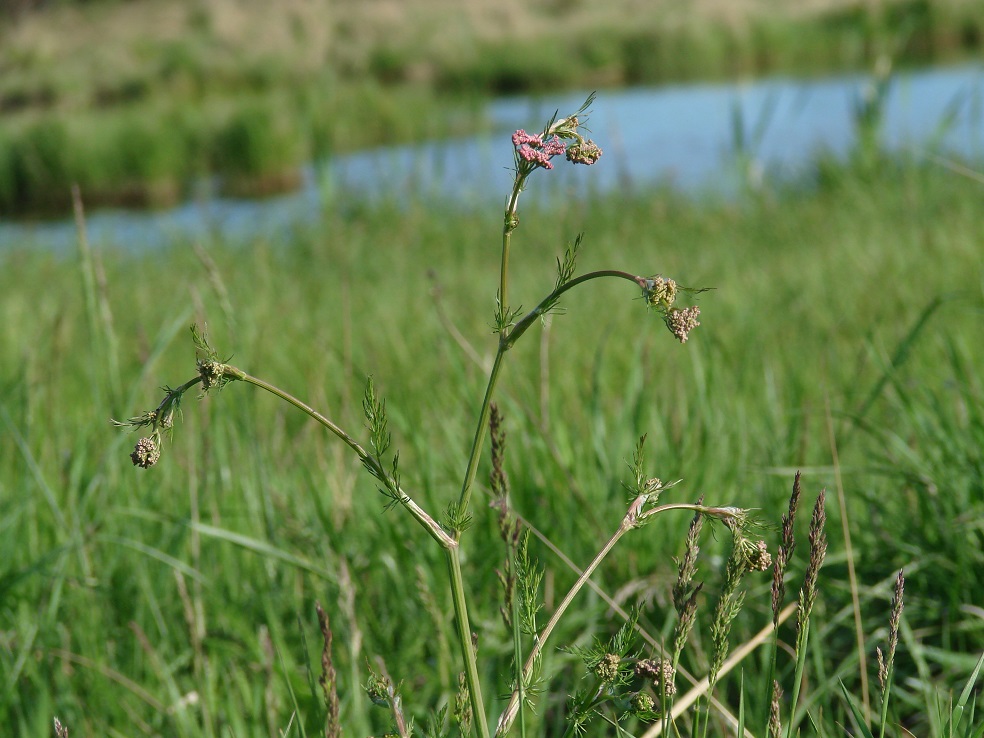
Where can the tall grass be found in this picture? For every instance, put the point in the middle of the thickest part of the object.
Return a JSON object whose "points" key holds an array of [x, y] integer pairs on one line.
{"points": [[181, 601]]}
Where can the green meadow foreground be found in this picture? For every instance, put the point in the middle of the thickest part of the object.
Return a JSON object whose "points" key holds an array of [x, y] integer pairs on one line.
{"points": [[843, 337]]}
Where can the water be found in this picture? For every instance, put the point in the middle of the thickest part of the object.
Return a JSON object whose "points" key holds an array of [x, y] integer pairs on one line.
{"points": [[691, 137]]}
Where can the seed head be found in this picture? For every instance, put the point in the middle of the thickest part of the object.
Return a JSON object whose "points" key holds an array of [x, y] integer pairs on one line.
{"points": [[681, 322], [146, 453], [607, 668], [658, 671], [775, 726], [211, 374], [584, 152], [643, 702], [759, 558]]}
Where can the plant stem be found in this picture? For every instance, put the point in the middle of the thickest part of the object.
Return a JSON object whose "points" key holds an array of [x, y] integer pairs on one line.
{"points": [[518, 649], [447, 542], [506, 342], [419, 514], [509, 225], [541, 309], [509, 715], [801, 640], [632, 519], [507, 338], [465, 640], [479, 440]]}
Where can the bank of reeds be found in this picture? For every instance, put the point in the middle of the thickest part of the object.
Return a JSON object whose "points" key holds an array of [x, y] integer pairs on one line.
{"points": [[135, 101]]}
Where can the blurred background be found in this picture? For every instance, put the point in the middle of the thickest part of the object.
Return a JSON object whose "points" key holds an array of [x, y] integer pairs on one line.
{"points": [[321, 183], [148, 104]]}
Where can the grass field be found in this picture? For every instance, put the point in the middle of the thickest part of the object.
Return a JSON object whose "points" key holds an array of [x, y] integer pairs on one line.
{"points": [[842, 338], [135, 100]]}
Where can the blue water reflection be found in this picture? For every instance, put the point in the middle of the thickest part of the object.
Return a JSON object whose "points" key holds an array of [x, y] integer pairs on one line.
{"points": [[684, 136]]}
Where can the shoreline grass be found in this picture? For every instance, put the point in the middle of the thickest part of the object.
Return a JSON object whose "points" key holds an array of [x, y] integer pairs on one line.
{"points": [[145, 602], [133, 101]]}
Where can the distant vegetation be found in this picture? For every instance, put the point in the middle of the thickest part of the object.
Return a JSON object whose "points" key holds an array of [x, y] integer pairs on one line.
{"points": [[134, 100]]}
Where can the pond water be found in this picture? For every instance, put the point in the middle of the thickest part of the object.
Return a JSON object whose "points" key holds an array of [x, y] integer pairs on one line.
{"points": [[698, 138]]}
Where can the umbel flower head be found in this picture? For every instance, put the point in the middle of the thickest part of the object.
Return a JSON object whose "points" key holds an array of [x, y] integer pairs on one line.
{"points": [[560, 137], [607, 667], [658, 671], [534, 149], [146, 453], [661, 293], [681, 322]]}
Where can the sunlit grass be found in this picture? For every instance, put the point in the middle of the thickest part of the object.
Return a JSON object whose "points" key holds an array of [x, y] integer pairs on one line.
{"points": [[169, 601]]}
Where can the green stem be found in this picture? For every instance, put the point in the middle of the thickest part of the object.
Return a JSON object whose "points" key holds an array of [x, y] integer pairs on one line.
{"points": [[633, 518], [419, 514], [447, 542], [506, 342], [886, 693], [508, 226], [518, 648], [465, 640], [546, 303], [479, 440], [504, 268], [512, 709], [802, 639]]}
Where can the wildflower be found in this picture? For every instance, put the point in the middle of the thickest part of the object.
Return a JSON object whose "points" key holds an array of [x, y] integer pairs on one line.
{"points": [[661, 291], [759, 558], [681, 322], [532, 148], [659, 671], [211, 373], [146, 453], [607, 668], [643, 702], [583, 152]]}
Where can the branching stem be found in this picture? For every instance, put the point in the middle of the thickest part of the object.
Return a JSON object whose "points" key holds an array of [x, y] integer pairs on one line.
{"points": [[633, 519]]}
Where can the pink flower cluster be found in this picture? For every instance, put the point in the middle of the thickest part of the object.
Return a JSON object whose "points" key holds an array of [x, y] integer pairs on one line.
{"points": [[534, 149]]}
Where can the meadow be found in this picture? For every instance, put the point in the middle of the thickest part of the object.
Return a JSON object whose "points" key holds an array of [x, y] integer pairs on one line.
{"points": [[842, 337]]}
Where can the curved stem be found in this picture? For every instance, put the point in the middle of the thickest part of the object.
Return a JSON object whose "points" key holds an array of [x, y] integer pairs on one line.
{"points": [[631, 520], [550, 300], [506, 342], [508, 226], [419, 514], [447, 542], [509, 714]]}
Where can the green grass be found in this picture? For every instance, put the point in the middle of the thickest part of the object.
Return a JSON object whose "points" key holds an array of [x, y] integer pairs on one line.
{"points": [[180, 601]]}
